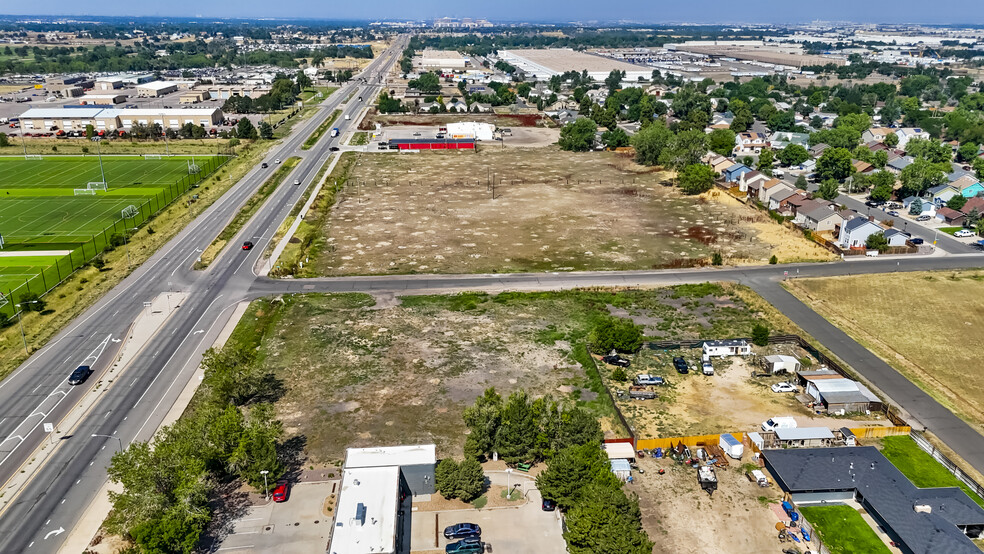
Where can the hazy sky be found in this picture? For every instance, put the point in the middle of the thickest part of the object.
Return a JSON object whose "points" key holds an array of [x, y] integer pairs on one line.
{"points": [[699, 11]]}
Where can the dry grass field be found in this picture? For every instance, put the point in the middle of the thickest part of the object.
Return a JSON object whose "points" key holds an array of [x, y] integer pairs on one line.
{"points": [[553, 211], [929, 326]]}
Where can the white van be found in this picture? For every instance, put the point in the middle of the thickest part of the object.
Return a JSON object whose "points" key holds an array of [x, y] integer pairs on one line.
{"points": [[779, 422]]}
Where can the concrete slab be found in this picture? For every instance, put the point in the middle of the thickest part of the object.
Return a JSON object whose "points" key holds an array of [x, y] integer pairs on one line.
{"points": [[298, 525]]}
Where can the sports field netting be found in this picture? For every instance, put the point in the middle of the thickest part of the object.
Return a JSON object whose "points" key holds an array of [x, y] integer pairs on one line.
{"points": [[40, 211]]}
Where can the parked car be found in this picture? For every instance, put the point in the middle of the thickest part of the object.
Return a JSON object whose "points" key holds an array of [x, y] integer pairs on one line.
{"points": [[79, 376], [465, 546], [706, 367], [247, 245], [281, 492], [646, 379], [462, 531], [615, 359], [924, 218], [916, 240], [681, 365], [873, 203], [784, 387], [893, 213], [548, 505], [964, 233], [894, 206]]}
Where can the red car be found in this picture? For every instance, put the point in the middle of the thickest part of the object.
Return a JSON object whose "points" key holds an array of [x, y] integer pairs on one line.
{"points": [[280, 493]]}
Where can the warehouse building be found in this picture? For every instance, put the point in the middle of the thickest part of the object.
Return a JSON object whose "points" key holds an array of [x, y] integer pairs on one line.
{"points": [[175, 118], [374, 504], [108, 119], [471, 130], [66, 119], [919, 521], [108, 83], [156, 89], [102, 99], [193, 97], [440, 59], [542, 64], [224, 92]]}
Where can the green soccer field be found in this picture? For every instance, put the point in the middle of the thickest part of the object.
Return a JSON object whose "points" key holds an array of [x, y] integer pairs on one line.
{"points": [[40, 210]]}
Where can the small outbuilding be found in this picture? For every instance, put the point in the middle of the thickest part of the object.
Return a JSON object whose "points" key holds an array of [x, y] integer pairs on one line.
{"points": [[800, 437], [779, 363], [727, 347], [621, 469], [619, 451]]}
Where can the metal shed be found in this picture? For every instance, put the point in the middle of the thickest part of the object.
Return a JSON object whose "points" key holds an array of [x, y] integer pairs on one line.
{"points": [[804, 437]]}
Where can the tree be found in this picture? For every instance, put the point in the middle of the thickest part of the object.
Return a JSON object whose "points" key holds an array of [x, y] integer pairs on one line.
{"points": [[615, 333], [465, 480], [426, 83], [689, 99], [801, 182], [879, 159], [696, 178], [979, 168], [257, 449], [743, 118], [483, 419], [650, 143], [829, 189], [721, 141], [606, 521], [881, 192], [685, 148], [760, 335], [765, 161], [835, 163], [782, 121], [920, 175], [245, 129], [266, 131], [966, 153], [4, 141], [516, 440], [614, 80], [302, 80], [575, 427], [615, 138], [387, 104], [793, 154], [876, 241], [929, 149], [445, 476], [957, 202], [860, 122], [915, 207], [571, 470], [891, 140], [578, 136]]}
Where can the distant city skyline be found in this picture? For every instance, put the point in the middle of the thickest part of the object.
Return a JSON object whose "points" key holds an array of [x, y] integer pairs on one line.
{"points": [[955, 12]]}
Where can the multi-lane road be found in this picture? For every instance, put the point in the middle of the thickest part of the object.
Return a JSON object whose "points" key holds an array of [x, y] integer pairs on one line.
{"points": [[133, 407]]}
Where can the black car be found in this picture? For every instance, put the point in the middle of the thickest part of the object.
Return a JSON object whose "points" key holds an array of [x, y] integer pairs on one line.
{"points": [[80, 374], [873, 203], [466, 546], [247, 245], [548, 505], [681, 365], [264, 165], [616, 360], [463, 531], [334, 149], [916, 240]]}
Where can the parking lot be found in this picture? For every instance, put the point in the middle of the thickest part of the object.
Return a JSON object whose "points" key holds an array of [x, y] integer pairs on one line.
{"points": [[524, 529], [298, 525]]}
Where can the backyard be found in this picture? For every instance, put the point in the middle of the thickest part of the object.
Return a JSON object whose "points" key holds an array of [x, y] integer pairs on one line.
{"points": [[916, 464], [923, 324], [843, 530], [552, 211]]}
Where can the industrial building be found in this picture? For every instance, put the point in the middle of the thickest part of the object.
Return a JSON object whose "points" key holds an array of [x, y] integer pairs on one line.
{"points": [[102, 99], [440, 59], [194, 97], [109, 119], [374, 504], [224, 92], [919, 521], [541, 64], [155, 89]]}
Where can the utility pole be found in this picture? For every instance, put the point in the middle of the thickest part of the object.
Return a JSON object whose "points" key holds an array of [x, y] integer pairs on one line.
{"points": [[101, 170]]}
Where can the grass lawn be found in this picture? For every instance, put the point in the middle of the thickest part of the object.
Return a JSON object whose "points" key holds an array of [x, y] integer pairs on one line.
{"points": [[923, 324], [920, 467], [950, 230], [843, 530]]}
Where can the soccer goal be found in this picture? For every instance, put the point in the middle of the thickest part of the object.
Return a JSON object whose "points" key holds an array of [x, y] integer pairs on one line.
{"points": [[3, 300], [97, 185], [153, 156], [193, 168], [129, 211], [85, 192], [33, 157]]}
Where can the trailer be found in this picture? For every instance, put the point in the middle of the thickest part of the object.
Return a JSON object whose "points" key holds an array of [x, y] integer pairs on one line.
{"points": [[731, 446], [707, 479]]}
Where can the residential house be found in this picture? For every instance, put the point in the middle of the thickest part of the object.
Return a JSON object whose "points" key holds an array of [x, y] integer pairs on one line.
{"points": [[855, 232], [478, 107], [780, 202], [896, 237], [802, 202], [750, 143], [908, 133], [771, 188], [958, 173], [457, 105], [927, 207], [969, 186], [975, 203], [950, 217], [747, 179], [782, 139], [821, 219], [818, 149], [808, 205], [726, 347], [720, 163], [734, 172], [896, 166], [876, 134], [941, 194], [862, 166], [718, 118]]}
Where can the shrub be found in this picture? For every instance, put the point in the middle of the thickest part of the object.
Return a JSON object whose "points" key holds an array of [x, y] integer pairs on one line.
{"points": [[760, 335], [773, 260], [615, 333], [618, 374], [465, 480], [31, 302], [716, 259]]}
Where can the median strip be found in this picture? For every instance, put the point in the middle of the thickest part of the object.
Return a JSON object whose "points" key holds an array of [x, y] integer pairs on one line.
{"points": [[246, 212], [320, 131]]}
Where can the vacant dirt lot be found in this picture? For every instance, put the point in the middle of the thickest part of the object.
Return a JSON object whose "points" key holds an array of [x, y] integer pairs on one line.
{"points": [[682, 518], [927, 325], [435, 120], [553, 211]]}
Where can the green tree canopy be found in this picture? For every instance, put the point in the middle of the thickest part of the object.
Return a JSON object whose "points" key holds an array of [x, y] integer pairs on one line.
{"points": [[829, 189], [650, 143], [835, 163], [578, 136], [696, 178], [615, 138], [721, 141], [793, 154], [615, 333]]}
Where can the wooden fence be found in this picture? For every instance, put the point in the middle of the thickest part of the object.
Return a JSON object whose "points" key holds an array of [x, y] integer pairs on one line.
{"points": [[692, 441], [952, 467], [879, 432]]}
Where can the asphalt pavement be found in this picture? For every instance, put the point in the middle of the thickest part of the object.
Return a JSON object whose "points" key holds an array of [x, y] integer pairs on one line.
{"points": [[132, 408]]}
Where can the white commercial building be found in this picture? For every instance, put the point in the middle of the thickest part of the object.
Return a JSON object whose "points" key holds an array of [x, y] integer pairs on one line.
{"points": [[541, 64], [156, 88], [471, 129], [441, 59], [367, 517]]}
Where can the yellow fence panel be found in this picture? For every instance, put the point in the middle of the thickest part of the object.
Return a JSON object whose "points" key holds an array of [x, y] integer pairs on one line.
{"points": [[692, 441], [879, 432]]}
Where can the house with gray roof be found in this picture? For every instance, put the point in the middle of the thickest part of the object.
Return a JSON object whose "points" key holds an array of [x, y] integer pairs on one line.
{"points": [[822, 218], [896, 166], [855, 232], [919, 521], [896, 237]]}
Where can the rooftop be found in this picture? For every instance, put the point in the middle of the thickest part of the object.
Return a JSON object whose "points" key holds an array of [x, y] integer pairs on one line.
{"points": [[803, 433], [390, 456], [885, 491], [61, 113], [365, 518], [158, 85]]}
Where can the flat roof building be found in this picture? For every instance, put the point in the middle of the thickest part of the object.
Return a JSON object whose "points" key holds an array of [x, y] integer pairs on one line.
{"points": [[156, 88], [108, 119], [545, 63], [441, 59], [368, 517], [102, 99]]}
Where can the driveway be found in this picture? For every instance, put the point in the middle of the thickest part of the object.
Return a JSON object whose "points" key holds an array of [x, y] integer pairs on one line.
{"points": [[298, 525]]}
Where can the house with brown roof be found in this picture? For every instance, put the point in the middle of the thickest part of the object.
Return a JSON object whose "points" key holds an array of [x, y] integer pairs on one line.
{"points": [[862, 167], [975, 203], [770, 188], [751, 177], [781, 202], [821, 219], [951, 217]]}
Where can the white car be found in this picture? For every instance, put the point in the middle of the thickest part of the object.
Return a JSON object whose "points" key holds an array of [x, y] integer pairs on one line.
{"points": [[964, 233], [784, 387]]}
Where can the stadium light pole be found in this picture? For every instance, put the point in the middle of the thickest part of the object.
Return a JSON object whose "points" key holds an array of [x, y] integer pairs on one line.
{"points": [[101, 170], [167, 149]]}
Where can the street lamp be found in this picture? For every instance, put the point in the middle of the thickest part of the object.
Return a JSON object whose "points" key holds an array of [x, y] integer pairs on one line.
{"points": [[111, 437], [266, 493], [21, 323], [127, 245]]}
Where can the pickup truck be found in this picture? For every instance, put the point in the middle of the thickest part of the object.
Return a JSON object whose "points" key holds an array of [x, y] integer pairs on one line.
{"points": [[646, 379], [334, 132], [615, 359]]}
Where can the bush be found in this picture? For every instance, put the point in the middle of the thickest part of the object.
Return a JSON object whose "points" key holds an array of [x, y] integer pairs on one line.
{"points": [[465, 480], [31, 302], [615, 333], [716, 259], [98, 262], [618, 374], [773, 260], [116, 240], [760, 335]]}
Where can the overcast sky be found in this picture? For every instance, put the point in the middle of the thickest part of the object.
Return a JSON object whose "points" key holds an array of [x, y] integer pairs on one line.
{"points": [[651, 11]]}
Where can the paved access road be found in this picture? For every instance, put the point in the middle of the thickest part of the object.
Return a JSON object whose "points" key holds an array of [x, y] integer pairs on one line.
{"points": [[132, 407]]}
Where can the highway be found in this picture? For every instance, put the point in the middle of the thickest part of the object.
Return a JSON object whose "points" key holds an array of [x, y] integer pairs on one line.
{"points": [[132, 407]]}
